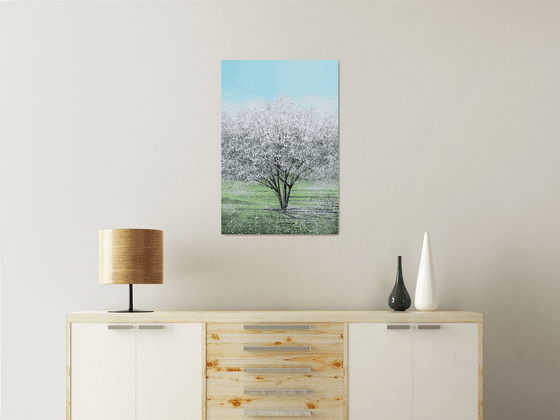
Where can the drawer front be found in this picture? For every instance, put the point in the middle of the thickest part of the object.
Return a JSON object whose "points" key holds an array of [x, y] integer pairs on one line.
{"points": [[293, 370]]}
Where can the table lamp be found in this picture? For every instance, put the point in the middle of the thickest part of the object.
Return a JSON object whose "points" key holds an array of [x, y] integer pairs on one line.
{"points": [[130, 256]]}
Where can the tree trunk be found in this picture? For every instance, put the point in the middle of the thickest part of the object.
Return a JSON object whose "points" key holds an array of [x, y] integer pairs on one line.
{"points": [[288, 195], [283, 194], [285, 197], [282, 190], [279, 194]]}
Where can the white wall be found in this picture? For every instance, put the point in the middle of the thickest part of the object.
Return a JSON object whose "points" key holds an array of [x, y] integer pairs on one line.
{"points": [[449, 123]]}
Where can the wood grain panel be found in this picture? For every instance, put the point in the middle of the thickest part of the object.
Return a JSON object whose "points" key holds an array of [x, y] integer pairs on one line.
{"points": [[232, 352], [345, 373], [276, 391], [276, 316], [317, 328], [233, 407], [276, 339], [68, 371], [287, 380], [332, 412], [480, 399], [226, 378], [276, 413], [219, 394], [320, 364], [203, 407], [255, 402], [238, 415]]}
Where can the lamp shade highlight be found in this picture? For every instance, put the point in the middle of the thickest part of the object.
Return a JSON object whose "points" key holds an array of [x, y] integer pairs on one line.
{"points": [[130, 256]]}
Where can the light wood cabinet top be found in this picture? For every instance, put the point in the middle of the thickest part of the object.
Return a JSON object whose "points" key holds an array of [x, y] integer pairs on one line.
{"points": [[276, 316]]}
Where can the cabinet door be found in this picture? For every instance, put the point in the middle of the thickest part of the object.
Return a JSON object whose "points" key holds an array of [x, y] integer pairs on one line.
{"points": [[169, 371], [446, 372], [379, 372], [103, 367]]}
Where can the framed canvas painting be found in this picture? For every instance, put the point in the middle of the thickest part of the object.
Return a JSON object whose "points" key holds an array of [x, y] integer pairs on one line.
{"points": [[279, 147]]}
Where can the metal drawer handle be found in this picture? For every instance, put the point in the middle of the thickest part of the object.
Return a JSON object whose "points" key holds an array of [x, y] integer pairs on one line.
{"points": [[150, 327], [276, 370], [398, 327], [293, 349], [119, 327], [276, 391], [429, 327], [277, 413], [276, 327]]}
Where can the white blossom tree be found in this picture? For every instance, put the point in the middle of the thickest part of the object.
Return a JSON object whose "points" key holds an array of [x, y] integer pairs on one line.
{"points": [[279, 144]]}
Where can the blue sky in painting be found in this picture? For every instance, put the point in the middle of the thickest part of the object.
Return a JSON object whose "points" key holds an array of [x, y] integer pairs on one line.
{"points": [[311, 82]]}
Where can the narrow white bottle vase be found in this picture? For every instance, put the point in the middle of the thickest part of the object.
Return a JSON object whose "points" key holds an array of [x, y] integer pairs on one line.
{"points": [[426, 298]]}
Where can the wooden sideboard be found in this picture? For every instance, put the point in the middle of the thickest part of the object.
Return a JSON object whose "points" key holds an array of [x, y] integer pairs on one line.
{"points": [[222, 365]]}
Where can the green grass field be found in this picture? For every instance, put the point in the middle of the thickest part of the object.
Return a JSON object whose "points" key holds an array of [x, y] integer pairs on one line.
{"points": [[253, 209]]}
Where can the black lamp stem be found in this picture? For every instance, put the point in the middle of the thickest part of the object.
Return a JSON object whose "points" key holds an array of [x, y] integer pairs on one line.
{"points": [[130, 306], [130, 303]]}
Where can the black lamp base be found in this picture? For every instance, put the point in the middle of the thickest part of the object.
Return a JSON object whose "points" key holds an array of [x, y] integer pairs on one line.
{"points": [[129, 311], [130, 307]]}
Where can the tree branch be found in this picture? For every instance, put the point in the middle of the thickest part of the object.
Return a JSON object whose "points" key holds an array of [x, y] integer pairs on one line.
{"points": [[266, 183]]}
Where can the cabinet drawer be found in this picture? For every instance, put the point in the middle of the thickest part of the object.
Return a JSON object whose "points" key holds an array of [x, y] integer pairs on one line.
{"points": [[228, 407], [234, 341], [255, 368], [242, 380], [229, 402], [260, 332]]}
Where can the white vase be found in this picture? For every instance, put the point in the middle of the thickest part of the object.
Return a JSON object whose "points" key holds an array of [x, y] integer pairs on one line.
{"points": [[426, 298]]}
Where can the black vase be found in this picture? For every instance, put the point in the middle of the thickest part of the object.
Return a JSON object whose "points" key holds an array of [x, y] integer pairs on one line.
{"points": [[399, 299]]}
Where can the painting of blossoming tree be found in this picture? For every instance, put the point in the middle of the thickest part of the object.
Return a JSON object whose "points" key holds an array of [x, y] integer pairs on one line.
{"points": [[280, 147]]}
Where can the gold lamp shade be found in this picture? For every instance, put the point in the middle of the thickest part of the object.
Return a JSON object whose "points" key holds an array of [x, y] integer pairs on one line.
{"points": [[130, 256]]}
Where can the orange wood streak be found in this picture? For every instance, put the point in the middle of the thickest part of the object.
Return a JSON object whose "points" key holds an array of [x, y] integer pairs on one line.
{"points": [[237, 402]]}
